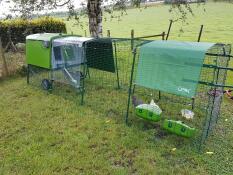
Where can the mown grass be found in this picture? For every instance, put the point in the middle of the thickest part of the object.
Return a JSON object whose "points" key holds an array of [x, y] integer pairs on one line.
{"points": [[50, 133], [44, 133]]}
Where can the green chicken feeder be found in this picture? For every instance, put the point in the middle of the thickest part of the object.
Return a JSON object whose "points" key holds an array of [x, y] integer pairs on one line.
{"points": [[178, 128]]}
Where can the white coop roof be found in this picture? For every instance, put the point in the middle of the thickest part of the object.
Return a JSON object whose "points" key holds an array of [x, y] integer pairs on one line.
{"points": [[70, 40], [42, 36]]}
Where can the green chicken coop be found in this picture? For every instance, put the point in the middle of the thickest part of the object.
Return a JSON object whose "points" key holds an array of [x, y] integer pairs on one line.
{"points": [[67, 59]]}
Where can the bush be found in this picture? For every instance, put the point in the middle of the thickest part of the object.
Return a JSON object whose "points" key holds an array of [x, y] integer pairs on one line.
{"points": [[19, 28]]}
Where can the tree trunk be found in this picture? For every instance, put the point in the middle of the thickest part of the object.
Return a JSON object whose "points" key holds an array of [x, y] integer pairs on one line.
{"points": [[95, 17], [5, 71]]}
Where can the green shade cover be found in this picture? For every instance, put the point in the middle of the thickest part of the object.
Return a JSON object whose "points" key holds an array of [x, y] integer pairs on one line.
{"points": [[99, 54], [171, 66]]}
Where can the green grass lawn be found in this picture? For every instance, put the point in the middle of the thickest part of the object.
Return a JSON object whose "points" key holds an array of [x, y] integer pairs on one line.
{"points": [[42, 133], [45, 133]]}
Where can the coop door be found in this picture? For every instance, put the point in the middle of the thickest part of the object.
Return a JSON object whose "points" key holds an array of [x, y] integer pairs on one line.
{"points": [[57, 59], [67, 56], [73, 55]]}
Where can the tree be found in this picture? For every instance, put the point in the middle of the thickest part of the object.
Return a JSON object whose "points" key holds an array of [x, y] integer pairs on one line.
{"points": [[95, 17], [93, 9]]}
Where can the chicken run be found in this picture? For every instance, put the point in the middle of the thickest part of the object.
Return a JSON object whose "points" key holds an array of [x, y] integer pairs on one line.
{"points": [[176, 85]]}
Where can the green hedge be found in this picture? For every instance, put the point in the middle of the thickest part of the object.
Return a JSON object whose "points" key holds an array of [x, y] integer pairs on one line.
{"points": [[20, 28]]}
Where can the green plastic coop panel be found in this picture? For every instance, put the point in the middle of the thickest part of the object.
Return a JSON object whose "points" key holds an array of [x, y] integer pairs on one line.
{"points": [[37, 53], [171, 66], [99, 54]]}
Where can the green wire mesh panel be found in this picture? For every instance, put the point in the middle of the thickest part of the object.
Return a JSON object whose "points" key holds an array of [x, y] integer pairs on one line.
{"points": [[215, 94], [111, 66], [61, 85], [99, 55], [37, 74], [110, 88], [205, 106]]}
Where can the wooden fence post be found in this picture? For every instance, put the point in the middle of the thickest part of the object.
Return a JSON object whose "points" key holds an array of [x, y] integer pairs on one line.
{"points": [[132, 39], [2, 54], [108, 33]]}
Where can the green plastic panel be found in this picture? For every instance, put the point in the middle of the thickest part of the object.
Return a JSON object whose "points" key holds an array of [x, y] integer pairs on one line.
{"points": [[99, 54], [178, 128], [37, 54], [147, 112], [171, 66]]}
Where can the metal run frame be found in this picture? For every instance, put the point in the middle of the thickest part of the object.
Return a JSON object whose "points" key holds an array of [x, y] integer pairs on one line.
{"points": [[213, 101], [86, 72]]}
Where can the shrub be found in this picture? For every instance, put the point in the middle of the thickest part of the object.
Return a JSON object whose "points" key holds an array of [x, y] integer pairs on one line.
{"points": [[19, 28]]}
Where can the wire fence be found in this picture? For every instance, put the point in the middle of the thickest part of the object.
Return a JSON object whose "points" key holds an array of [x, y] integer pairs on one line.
{"points": [[107, 73], [206, 105]]}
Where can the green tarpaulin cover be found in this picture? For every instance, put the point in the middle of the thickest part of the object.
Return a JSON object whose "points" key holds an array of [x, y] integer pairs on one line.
{"points": [[171, 66]]}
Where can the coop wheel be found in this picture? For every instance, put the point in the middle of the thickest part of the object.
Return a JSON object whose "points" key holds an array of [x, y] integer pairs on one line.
{"points": [[46, 84]]}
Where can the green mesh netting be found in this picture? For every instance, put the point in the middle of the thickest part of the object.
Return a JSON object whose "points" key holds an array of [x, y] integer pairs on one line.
{"points": [[171, 66], [99, 54]]}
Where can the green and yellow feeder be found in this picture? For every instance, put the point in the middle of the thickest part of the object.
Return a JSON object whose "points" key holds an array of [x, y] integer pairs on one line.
{"points": [[179, 128], [149, 112]]}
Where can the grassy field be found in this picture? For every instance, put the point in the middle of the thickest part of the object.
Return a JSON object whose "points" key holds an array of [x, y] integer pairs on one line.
{"points": [[216, 18], [43, 133]]}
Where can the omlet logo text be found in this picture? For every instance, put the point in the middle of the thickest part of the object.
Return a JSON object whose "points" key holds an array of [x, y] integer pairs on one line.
{"points": [[181, 89]]}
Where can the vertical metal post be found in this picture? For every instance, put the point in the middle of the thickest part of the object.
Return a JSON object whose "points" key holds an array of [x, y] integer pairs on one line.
{"points": [[134, 87], [169, 29], [130, 86], [193, 102], [163, 36], [132, 39], [28, 73], [118, 81], [82, 78], [82, 92], [200, 33], [108, 34], [85, 33]]}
